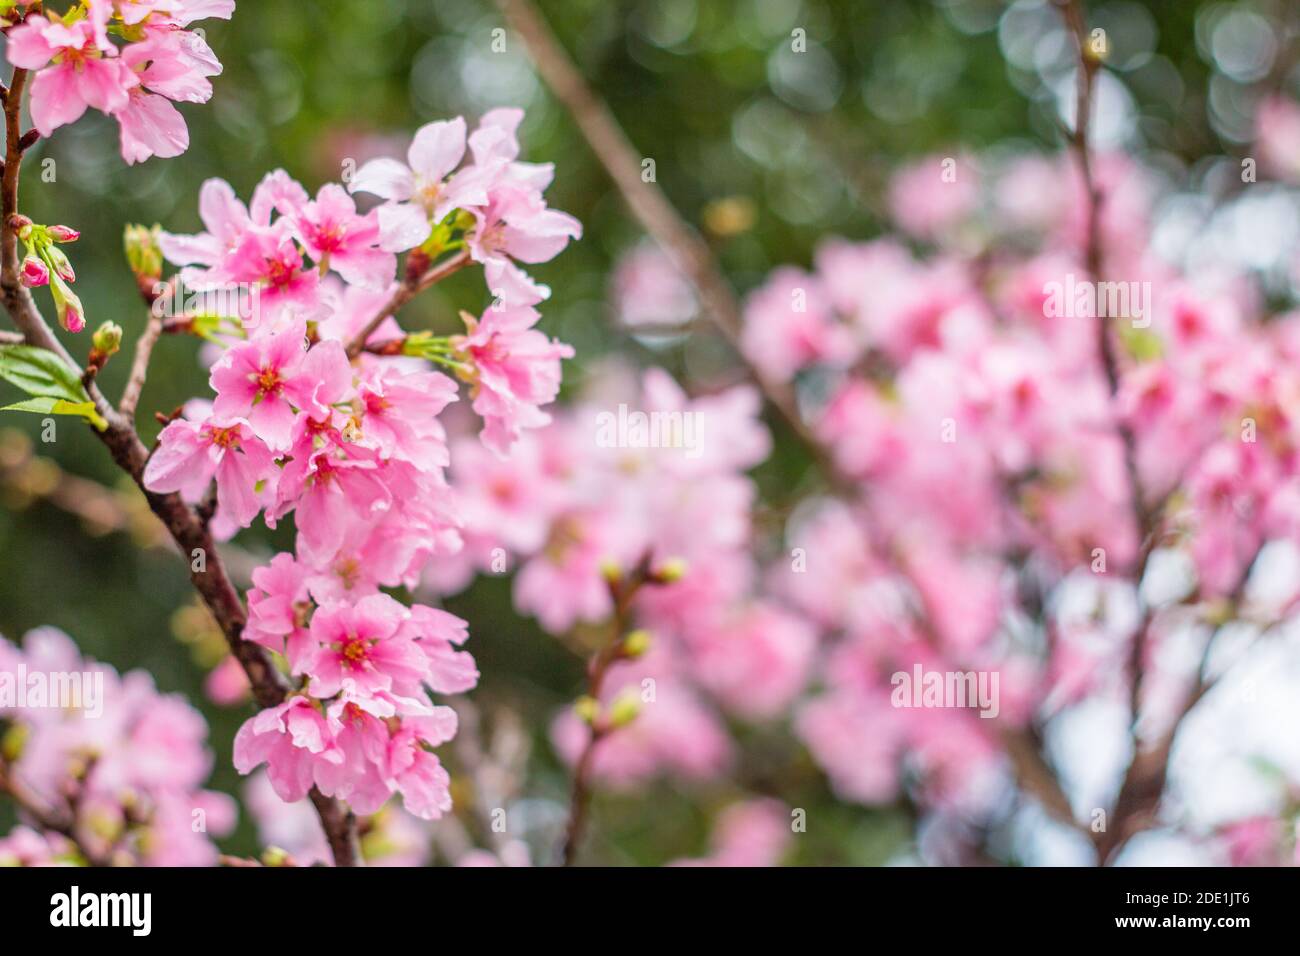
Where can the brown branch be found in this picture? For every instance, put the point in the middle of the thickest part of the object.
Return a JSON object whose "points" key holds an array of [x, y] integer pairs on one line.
{"points": [[1144, 779], [140, 367], [207, 573], [689, 253], [410, 287], [622, 590], [1094, 259]]}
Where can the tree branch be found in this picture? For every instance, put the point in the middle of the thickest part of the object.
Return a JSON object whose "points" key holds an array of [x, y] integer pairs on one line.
{"points": [[622, 591], [140, 367], [65, 824], [689, 253], [411, 286]]}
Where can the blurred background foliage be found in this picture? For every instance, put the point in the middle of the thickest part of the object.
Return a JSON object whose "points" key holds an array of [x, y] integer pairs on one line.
{"points": [[766, 150]]}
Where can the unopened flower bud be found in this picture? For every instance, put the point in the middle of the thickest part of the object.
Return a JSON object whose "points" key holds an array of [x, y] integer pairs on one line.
{"points": [[670, 572], [143, 252], [35, 273], [72, 316], [276, 856], [587, 709], [417, 264], [21, 225], [636, 643], [13, 742], [63, 233], [56, 258], [610, 571], [107, 339], [626, 707]]}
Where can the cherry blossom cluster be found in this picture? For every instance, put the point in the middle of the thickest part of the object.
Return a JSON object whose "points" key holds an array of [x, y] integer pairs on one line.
{"points": [[118, 765], [583, 503], [351, 445], [129, 59], [1016, 511], [1000, 506]]}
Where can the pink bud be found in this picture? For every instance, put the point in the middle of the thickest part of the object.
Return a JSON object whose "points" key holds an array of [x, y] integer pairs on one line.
{"points": [[34, 273], [63, 233], [72, 318], [64, 268]]}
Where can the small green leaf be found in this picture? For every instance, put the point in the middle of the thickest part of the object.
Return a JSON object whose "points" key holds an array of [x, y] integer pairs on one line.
{"points": [[39, 372], [49, 405]]}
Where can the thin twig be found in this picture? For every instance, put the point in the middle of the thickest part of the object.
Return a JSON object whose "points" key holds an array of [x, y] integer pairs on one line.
{"points": [[408, 290], [622, 591], [140, 367], [689, 253], [65, 824]]}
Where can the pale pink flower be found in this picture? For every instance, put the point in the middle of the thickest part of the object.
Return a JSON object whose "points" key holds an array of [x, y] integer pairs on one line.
{"points": [[516, 224], [169, 64], [336, 492], [514, 368], [362, 648], [754, 833], [417, 774], [88, 73], [789, 326], [648, 290], [226, 684], [419, 192], [174, 12], [295, 742], [933, 196], [191, 454], [438, 634], [399, 414], [338, 238], [757, 660], [278, 604]]}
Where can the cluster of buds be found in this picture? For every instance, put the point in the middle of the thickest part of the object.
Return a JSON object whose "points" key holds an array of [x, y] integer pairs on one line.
{"points": [[46, 264], [606, 716]]}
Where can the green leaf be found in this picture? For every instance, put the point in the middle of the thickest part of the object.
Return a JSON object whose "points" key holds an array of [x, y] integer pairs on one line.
{"points": [[49, 405], [39, 372]]}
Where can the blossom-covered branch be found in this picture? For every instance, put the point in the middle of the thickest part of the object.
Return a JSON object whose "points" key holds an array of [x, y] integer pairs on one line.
{"points": [[302, 422]]}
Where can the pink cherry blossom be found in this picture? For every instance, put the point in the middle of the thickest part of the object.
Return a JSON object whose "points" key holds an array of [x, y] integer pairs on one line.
{"points": [[360, 648], [516, 225], [88, 73], [419, 192], [515, 369], [192, 453], [336, 237], [296, 743], [266, 380]]}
